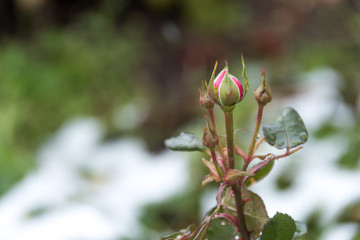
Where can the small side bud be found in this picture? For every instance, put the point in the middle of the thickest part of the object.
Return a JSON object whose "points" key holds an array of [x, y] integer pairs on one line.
{"points": [[210, 139], [263, 93], [205, 100]]}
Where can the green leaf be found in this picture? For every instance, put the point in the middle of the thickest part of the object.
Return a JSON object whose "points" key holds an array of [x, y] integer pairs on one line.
{"points": [[301, 229], [254, 210], [260, 174], [220, 229], [255, 213], [185, 142], [280, 227], [287, 132]]}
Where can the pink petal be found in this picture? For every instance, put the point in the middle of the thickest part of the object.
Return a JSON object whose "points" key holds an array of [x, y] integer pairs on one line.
{"points": [[219, 79], [239, 85]]}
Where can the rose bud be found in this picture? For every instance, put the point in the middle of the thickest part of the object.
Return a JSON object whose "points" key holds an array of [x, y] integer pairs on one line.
{"points": [[205, 100], [226, 89], [263, 93], [210, 139]]}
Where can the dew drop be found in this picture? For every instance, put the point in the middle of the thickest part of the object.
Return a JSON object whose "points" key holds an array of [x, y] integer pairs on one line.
{"points": [[222, 223], [237, 237], [258, 137]]}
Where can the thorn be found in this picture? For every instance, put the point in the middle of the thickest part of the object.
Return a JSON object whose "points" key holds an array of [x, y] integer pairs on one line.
{"points": [[246, 200], [231, 194]]}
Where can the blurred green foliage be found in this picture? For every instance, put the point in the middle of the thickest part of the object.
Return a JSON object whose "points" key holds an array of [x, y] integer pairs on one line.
{"points": [[85, 70], [106, 56]]}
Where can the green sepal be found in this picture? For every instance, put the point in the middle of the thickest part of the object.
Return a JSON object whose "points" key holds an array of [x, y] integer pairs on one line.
{"points": [[233, 175], [212, 91], [244, 77]]}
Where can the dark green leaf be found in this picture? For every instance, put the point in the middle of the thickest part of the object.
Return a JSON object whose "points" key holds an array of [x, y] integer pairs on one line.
{"points": [[220, 229], [301, 229], [260, 174], [255, 213], [185, 142], [280, 227], [288, 130], [254, 210]]}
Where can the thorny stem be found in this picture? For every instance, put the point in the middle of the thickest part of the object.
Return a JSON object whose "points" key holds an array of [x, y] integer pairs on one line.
{"points": [[254, 137], [213, 125], [229, 123], [237, 188], [213, 155], [240, 213], [271, 158]]}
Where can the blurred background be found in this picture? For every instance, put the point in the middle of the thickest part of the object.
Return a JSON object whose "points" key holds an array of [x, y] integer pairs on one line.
{"points": [[89, 91]]}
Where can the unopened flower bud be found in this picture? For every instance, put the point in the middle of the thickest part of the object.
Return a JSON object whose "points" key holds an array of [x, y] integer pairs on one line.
{"points": [[263, 93], [210, 139], [205, 100], [225, 89], [228, 89]]}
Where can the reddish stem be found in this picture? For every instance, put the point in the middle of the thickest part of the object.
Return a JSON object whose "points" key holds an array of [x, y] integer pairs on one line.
{"points": [[213, 125]]}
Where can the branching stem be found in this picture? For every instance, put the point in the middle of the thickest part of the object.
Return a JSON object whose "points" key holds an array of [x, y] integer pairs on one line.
{"points": [[213, 125], [218, 169], [240, 213], [254, 137], [229, 124]]}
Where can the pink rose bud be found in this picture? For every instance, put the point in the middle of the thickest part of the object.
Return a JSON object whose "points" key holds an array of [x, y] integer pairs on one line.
{"points": [[226, 89]]}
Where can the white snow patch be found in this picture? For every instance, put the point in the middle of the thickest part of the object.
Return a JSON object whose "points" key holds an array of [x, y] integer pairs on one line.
{"points": [[91, 190]]}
